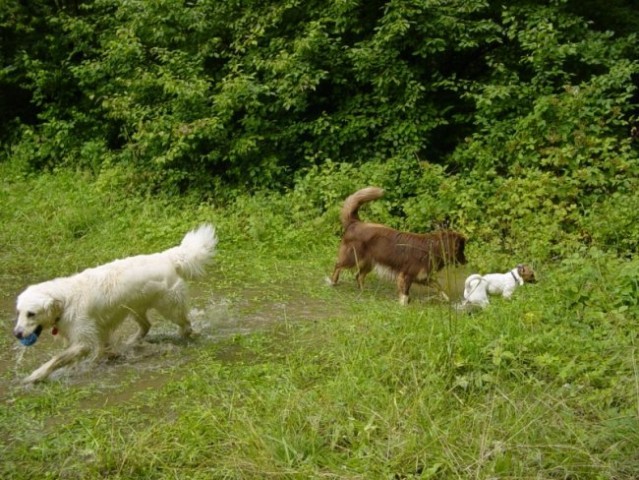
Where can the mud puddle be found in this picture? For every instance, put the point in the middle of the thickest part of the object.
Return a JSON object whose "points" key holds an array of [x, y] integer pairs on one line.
{"points": [[215, 316]]}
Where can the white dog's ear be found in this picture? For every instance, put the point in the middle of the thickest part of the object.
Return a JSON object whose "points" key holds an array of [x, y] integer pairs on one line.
{"points": [[54, 307]]}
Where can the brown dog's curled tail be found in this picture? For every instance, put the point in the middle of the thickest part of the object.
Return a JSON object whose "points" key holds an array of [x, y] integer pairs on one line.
{"points": [[352, 204]]}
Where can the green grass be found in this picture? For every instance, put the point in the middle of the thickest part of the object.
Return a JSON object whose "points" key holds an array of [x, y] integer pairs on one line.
{"points": [[335, 383]]}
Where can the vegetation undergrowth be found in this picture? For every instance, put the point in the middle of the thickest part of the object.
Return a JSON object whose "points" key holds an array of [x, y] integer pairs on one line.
{"points": [[335, 383]]}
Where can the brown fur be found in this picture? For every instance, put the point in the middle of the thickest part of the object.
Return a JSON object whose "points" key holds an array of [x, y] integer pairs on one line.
{"points": [[411, 257], [526, 273]]}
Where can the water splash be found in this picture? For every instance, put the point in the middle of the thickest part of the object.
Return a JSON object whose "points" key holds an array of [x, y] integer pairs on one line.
{"points": [[19, 356]]}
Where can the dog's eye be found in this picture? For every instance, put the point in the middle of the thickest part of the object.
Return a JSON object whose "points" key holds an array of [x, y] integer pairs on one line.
{"points": [[30, 314]]}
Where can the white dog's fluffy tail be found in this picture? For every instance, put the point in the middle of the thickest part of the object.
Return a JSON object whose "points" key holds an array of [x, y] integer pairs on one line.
{"points": [[195, 251]]}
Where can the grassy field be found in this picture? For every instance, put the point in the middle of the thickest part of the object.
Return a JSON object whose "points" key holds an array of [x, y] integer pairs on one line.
{"points": [[292, 379]]}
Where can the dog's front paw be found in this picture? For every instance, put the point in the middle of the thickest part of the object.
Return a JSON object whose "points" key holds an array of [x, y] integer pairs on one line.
{"points": [[32, 379], [329, 281]]}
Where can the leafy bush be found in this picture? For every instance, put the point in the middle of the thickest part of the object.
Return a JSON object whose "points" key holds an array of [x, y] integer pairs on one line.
{"points": [[511, 122]]}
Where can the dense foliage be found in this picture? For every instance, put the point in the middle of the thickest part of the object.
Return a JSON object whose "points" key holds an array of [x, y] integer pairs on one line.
{"points": [[514, 119]]}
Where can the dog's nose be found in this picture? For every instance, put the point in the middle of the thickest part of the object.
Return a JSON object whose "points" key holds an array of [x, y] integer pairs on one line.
{"points": [[18, 334]]}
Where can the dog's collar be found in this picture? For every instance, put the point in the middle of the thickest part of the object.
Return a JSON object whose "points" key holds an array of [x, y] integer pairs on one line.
{"points": [[54, 329], [518, 279]]}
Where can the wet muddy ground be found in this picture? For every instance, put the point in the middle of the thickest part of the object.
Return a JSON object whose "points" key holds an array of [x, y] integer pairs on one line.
{"points": [[215, 316]]}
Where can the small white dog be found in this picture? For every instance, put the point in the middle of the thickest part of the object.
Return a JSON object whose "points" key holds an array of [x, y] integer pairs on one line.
{"points": [[87, 307], [478, 287]]}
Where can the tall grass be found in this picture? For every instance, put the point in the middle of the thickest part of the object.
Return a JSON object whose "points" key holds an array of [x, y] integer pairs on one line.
{"points": [[340, 384]]}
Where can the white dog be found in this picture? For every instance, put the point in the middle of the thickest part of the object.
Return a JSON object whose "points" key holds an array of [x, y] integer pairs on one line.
{"points": [[87, 307], [478, 287]]}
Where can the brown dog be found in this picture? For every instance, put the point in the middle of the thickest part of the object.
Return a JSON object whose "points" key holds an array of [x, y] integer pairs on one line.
{"points": [[410, 257]]}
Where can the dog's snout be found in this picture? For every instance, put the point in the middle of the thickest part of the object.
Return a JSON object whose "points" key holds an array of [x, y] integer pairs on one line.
{"points": [[17, 332]]}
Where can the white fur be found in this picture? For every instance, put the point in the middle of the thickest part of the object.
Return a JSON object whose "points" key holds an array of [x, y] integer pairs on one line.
{"points": [[87, 307], [478, 287]]}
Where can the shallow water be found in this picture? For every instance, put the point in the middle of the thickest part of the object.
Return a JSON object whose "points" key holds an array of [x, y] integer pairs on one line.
{"points": [[214, 317]]}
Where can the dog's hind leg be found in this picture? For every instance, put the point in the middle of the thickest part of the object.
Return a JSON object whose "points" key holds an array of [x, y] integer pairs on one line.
{"points": [[182, 321], [144, 327], [174, 308], [335, 277], [347, 257], [179, 316], [68, 356], [364, 269], [404, 282]]}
